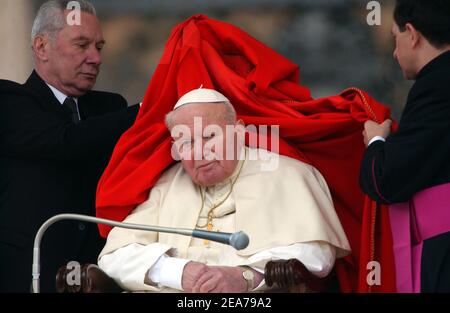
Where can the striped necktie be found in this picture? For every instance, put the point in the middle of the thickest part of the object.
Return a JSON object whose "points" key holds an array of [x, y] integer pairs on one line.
{"points": [[72, 107]]}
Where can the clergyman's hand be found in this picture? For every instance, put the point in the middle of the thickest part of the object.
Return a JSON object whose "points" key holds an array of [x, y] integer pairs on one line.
{"points": [[221, 279], [224, 279], [372, 129], [191, 273]]}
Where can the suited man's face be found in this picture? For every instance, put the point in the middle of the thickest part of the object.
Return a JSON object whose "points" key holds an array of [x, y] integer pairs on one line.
{"points": [[71, 61]]}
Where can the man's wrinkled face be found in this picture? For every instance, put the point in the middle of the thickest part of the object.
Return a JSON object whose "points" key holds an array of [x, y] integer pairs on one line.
{"points": [[203, 144], [74, 56], [403, 52]]}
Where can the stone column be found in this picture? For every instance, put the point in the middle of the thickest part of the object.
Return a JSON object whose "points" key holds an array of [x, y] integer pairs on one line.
{"points": [[15, 28]]}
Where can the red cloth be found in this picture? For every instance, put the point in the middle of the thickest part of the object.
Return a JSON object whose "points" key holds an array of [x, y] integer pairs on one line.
{"points": [[264, 89]]}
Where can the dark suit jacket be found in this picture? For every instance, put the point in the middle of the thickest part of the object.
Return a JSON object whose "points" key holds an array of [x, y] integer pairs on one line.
{"points": [[48, 165]]}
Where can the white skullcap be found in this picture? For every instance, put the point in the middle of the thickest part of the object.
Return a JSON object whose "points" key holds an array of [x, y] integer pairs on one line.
{"points": [[200, 95]]}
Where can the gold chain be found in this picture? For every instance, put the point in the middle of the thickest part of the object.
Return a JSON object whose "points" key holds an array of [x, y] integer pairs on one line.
{"points": [[210, 216]]}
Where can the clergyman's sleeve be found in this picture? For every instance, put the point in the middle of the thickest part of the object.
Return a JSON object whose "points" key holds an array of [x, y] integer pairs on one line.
{"points": [[129, 265]]}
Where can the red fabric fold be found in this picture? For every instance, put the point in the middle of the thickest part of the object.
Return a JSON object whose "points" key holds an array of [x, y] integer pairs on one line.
{"points": [[264, 88]]}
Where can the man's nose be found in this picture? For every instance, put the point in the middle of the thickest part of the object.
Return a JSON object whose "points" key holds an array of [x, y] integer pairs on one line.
{"points": [[94, 56], [208, 153]]}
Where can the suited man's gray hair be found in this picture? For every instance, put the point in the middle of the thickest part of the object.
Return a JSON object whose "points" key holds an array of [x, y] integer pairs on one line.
{"points": [[50, 17]]}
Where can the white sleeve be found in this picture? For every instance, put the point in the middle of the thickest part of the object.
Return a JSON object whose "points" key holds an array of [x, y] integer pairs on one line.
{"points": [[168, 272], [318, 257], [376, 138], [129, 265]]}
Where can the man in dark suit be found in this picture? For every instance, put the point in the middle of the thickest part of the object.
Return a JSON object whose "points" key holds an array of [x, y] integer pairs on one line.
{"points": [[416, 159], [56, 137]]}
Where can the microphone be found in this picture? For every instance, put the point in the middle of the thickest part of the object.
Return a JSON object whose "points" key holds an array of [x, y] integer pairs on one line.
{"points": [[238, 240]]}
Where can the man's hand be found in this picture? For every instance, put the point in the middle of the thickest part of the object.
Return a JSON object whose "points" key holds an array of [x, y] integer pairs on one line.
{"points": [[224, 279], [372, 129], [198, 277], [191, 274], [221, 279]]}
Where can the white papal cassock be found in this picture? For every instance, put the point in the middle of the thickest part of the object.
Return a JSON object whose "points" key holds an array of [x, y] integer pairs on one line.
{"points": [[287, 213]]}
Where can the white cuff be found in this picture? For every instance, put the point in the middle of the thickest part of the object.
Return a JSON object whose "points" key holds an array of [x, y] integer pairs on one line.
{"points": [[262, 284], [168, 272], [376, 138], [154, 273]]}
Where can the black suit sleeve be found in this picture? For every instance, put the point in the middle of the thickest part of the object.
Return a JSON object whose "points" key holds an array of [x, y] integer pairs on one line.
{"points": [[102, 102], [26, 131], [410, 159]]}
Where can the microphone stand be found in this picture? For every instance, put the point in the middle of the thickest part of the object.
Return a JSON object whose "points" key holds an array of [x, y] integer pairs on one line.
{"points": [[238, 240]]}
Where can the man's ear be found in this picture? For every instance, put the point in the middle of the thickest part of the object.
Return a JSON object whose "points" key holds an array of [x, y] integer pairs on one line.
{"points": [[40, 47], [414, 35]]}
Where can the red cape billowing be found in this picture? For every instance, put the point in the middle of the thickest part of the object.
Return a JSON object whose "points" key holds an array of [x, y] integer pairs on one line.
{"points": [[264, 89]]}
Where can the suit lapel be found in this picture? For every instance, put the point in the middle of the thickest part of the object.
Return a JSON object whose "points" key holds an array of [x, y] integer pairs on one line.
{"points": [[44, 96]]}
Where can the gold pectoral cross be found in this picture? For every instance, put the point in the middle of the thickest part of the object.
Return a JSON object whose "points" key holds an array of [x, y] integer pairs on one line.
{"points": [[209, 227]]}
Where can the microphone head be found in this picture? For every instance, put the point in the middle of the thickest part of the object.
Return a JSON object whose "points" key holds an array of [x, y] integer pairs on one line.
{"points": [[239, 240]]}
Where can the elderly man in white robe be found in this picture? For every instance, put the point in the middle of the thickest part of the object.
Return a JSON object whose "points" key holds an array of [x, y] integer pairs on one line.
{"points": [[287, 211]]}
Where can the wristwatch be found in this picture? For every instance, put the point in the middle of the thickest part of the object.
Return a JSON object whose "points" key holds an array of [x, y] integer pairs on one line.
{"points": [[249, 276]]}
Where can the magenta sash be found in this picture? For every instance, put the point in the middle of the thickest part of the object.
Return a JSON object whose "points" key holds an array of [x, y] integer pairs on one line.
{"points": [[426, 215]]}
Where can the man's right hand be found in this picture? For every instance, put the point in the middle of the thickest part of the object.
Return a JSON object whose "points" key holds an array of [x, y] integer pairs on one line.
{"points": [[191, 273], [198, 277], [373, 129]]}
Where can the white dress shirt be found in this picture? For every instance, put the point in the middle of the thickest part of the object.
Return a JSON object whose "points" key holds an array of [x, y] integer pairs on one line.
{"points": [[376, 138], [61, 97]]}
